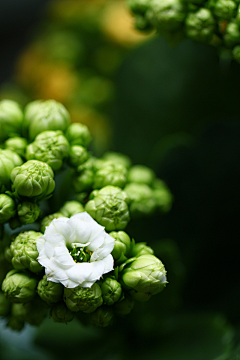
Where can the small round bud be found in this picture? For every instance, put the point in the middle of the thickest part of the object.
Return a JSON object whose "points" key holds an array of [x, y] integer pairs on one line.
{"points": [[124, 306], [45, 115], [111, 291], [200, 25], [16, 144], [162, 195], [7, 208], [102, 317], [19, 287], [50, 147], [78, 134], [8, 161], [232, 34], [236, 53], [71, 208], [83, 299], [122, 245], [49, 291], [61, 314], [224, 9], [142, 200], [11, 118], [77, 155], [110, 174], [28, 212], [33, 179], [141, 174], [141, 249], [109, 207], [5, 305], [117, 158], [24, 251]]}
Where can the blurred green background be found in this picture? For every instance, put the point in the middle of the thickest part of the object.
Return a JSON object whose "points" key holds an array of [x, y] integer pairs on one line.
{"points": [[175, 109]]}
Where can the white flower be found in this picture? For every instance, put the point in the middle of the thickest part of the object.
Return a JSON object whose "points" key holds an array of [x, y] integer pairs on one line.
{"points": [[66, 242]]}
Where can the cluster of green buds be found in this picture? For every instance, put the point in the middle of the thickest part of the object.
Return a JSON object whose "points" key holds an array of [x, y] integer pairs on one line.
{"points": [[40, 146], [214, 22]]}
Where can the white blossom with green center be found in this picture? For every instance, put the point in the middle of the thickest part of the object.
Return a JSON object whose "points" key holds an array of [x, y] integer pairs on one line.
{"points": [[75, 251]]}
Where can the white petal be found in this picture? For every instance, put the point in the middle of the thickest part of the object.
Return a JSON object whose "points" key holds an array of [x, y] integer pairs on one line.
{"points": [[96, 240], [108, 263], [97, 270], [105, 249], [40, 243], [62, 256], [82, 230], [80, 272]]}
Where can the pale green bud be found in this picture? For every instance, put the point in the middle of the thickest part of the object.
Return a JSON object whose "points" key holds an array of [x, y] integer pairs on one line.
{"points": [[110, 174], [102, 317], [77, 155], [141, 249], [117, 158], [200, 25], [166, 15], [83, 299], [224, 9], [145, 276], [7, 208], [124, 306], [61, 314], [50, 147], [46, 221], [11, 118], [5, 305], [232, 34], [236, 53], [35, 311], [45, 115], [84, 177], [122, 245], [142, 199], [49, 291], [162, 195], [33, 179], [141, 174], [28, 212], [78, 134], [109, 207], [24, 251], [19, 287], [71, 208], [111, 291], [16, 144], [8, 161]]}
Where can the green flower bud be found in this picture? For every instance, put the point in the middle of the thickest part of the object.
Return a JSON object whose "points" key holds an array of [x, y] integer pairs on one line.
{"points": [[34, 312], [102, 317], [8, 161], [78, 134], [33, 179], [45, 115], [232, 34], [15, 223], [224, 9], [124, 306], [162, 195], [77, 155], [83, 179], [83, 299], [110, 174], [5, 305], [24, 251], [145, 276], [142, 199], [122, 246], [61, 314], [71, 208], [166, 15], [16, 144], [11, 118], [7, 208], [141, 249], [48, 219], [15, 324], [19, 287], [117, 158], [141, 174], [28, 212], [109, 207], [236, 53], [111, 291], [49, 291], [50, 147], [200, 25], [138, 6]]}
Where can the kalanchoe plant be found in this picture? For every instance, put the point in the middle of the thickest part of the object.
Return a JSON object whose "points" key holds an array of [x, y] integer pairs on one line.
{"points": [[82, 262]]}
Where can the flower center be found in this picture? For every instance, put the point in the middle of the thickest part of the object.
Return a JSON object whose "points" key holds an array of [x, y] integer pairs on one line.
{"points": [[80, 254]]}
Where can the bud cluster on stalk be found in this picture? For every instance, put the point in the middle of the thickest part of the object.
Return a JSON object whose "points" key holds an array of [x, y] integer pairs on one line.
{"points": [[213, 22], [39, 145]]}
